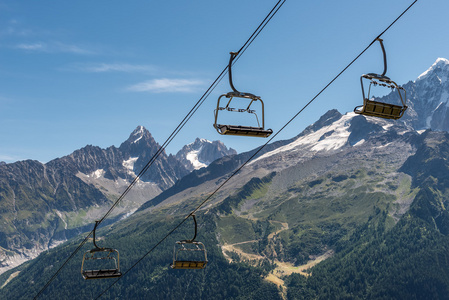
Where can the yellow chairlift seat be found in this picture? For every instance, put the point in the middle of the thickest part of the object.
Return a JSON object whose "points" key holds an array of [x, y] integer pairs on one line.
{"points": [[183, 247], [184, 250], [380, 109], [240, 130], [180, 264], [110, 269]]}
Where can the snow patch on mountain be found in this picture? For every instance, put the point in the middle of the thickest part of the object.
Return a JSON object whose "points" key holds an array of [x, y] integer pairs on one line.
{"points": [[387, 127], [138, 134], [97, 173], [192, 156], [359, 143], [129, 165], [327, 138]]}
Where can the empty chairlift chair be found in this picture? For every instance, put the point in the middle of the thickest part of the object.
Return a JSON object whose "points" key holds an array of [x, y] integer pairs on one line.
{"points": [[189, 254], [241, 130], [379, 109], [100, 263]]}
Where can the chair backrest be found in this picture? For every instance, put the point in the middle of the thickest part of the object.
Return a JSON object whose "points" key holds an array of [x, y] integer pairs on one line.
{"points": [[101, 273]]}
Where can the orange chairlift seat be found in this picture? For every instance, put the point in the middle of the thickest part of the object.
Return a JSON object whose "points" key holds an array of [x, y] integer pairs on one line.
{"points": [[189, 254], [380, 109], [241, 130], [106, 258]]}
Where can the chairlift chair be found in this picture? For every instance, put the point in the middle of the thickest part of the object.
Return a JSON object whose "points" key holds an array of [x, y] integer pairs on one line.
{"points": [[182, 261], [101, 254], [240, 130], [380, 109]]}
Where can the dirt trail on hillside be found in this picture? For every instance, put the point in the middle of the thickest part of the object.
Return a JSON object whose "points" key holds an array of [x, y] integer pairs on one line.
{"points": [[284, 227], [282, 268], [11, 277]]}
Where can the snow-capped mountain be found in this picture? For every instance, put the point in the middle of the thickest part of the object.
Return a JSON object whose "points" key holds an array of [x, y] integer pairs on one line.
{"points": [[201, 153], [428, 98], [332, 133], [68, 193], [335, 142], [55, 196]]}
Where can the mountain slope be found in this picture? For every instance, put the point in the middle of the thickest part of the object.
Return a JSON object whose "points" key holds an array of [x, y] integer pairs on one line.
{"points": [[361, 199], [327, 183], [406, 261], [42, 205], [324, 195]]}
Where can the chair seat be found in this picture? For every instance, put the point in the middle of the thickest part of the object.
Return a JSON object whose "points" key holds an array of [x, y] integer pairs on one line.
{"points": [[101, 274], [380, 109], [243, 130], [188, 264]]}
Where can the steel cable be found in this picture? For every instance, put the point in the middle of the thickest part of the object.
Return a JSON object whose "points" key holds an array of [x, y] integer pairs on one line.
{"points": [[257, 152], [189, 115]]}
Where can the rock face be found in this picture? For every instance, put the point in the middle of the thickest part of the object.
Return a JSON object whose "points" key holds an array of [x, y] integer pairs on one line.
{"points": [[201, 153], [137, 152]]}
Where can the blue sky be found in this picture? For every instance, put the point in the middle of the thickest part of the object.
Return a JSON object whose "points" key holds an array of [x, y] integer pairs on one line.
{"points": [[74, 73]]}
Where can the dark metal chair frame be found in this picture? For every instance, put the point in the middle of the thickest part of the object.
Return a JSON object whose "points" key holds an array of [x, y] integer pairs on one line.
{"points": [[259, 131], [101, 273], [180, 247], [377, 108]]}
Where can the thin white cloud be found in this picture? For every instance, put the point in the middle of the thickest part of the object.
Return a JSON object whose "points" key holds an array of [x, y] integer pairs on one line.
{"points": [[114, 67], [12, 31], [166, 85], [9, 158], [61, 47], [54, 47], [15, 28], [32, 47]]}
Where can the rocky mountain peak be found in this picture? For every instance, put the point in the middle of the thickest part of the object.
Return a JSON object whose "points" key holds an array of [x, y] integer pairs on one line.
{"points": [[139, 141], [438, 70], [325, 120], [139, 133], [201, 153], [427, 98]]}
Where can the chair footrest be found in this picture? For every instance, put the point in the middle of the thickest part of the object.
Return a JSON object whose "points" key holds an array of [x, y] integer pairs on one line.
{"points": [[186, 264], [101, 274], [244, 130], [380, 109]]}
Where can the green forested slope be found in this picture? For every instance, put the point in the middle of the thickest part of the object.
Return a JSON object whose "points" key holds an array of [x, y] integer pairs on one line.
{"points": [[152, 278], [386, 223], [410, 261]]}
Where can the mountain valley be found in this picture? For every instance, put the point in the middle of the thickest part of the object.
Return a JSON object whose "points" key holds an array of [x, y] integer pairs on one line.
{"points": [[352, 207]]}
